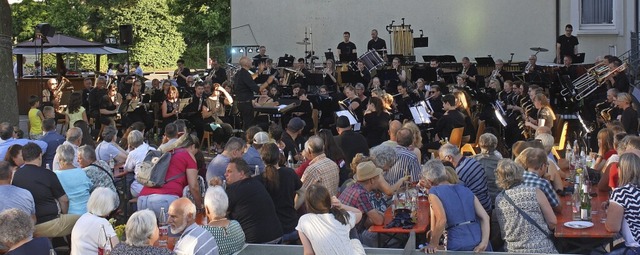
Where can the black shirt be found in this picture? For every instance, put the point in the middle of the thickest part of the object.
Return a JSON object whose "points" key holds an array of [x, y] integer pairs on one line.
{"points": [[283, 197], [251, 205], [44, 187], [629, 121], [346, 47], [291, 146], [449, 121], [352, 143], [182, 82], [85, 98], [95, 97], [472, 72], [221, 75], [37, 246], [377, 44], [245, 86], [376, 127], [621, 82], [567, 45], [436, 104]]}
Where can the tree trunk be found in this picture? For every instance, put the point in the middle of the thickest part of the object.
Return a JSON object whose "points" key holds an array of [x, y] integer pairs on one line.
{"points": [[8, 90]]}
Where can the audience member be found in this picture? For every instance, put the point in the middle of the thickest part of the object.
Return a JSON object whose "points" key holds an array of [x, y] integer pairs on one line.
{"points": [[228, 233], [142, 233], [470, 172], [74, 139], [92, 228], [218, 165], [534, 160], [137, 151], [14, 156], [6, 134], [108, 149], [98, 171], [321, 170], [256, 138], [16, 233], [19, 198], [407, 162], [53, 140], [293, 139], [193, 238], [349, 141], [73, 179]]}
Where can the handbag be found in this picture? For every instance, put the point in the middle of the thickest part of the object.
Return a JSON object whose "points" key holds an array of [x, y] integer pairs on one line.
{"points": [[526, 216]]}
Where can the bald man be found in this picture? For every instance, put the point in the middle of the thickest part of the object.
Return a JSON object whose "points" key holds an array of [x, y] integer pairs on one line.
{"points": [[394, 126], [245, 88], [193, 238]]}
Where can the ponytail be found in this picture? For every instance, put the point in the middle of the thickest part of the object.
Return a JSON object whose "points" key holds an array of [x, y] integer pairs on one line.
{"points": [[341, 215], [271, 178]]}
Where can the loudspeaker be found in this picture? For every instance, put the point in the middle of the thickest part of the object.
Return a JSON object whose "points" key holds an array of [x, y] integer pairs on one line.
{"points": [[126, 34], [45, 29]]}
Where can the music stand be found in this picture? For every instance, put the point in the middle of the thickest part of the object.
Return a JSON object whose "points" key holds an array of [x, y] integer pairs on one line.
{"points": [[348, 57], [485, 61], [387, 75], [352, 77], [425, 72], [329, 55], [420, 115], [285, 61], [579, 58], [420, 42], [315, 79], [448, 59], [428, 58]]}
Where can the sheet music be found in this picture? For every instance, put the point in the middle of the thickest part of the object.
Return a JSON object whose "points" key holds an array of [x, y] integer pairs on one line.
{"points": [[352, 119], [420, 115]]}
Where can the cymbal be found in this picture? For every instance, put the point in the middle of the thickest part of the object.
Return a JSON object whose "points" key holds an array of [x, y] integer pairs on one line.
{"points": [[540, 49], [303, 43]]}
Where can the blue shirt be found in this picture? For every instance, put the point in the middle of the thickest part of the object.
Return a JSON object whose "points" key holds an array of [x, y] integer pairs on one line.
{"points": [[532, 180], [11, 141], [53, 140], [252, 156], [217, 167], [472, 175], [77, 185], [20, 198]]}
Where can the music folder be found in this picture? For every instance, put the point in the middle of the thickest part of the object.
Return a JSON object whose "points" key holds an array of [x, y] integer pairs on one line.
{"points": [[352, 119], [420, 115], [348, 57]]}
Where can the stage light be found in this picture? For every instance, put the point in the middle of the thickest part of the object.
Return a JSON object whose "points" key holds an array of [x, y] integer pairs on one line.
{"points": [[233, 51], [241, 50], [250, 50]]}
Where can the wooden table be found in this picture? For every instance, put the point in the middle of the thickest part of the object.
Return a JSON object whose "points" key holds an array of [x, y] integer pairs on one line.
{"points": [[586, 239], [421, 226]]}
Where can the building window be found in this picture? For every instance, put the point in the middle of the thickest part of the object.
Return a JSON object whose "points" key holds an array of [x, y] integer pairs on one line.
{"points": [[596, 12], [597, 16]]}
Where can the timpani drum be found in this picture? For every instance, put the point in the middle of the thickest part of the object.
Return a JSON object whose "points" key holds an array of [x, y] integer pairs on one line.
{"points": [[371, 60]]}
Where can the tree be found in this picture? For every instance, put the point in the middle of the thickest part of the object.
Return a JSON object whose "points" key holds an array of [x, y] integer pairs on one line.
{"points": [[26, 15], [157, 41], [9, 95]]}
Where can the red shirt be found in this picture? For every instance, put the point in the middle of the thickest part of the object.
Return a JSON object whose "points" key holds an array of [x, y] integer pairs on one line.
{"points": [[608, 154], [613, 175], [181, 160]]}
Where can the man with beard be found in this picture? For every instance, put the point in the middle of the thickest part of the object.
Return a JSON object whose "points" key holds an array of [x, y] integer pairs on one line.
{"points": [[193, 238]]}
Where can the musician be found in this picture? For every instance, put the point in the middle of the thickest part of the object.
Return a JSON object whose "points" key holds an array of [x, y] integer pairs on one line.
{"points": [[435, 64], [198, 111], [191, 81], [274, 93], [435, 100], [217, 74], [566, 44], [375, 125], [261, 57], [49, 92], [346, 46], [109, 105], [170, 107], [404, 100], [181, 74], [399, 78], [620, 81], [330, 75], [135, 109], [612, 97], [365, 76], [469, 72], [531, 68], [264, 99], [419, 88], [375, 83], [216, 102], [301, 73], [376, 43], [567, 68], [304, 111], [95, 98], [452, 118], [463, 105], [629, 116], [353, 103], [545, 115], [269, 70], [498, 72], [244, 88], [506, 93], [137, 69], [88, 86]]}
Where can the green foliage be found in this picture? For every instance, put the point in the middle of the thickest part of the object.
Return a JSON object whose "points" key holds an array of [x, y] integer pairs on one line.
{"points": [[164, 30]]}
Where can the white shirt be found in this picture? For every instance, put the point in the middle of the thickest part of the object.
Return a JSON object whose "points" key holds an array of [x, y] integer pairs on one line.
{"points": [[327, 235], [56, 162], [135, 157], [106, 151], [87, 234]]}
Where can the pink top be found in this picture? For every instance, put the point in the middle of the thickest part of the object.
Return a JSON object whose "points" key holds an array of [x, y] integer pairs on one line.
{"points": [[181, 160]]}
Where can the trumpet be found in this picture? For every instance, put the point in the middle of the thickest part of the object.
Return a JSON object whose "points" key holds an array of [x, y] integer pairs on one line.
{"points": [[527, 68]]}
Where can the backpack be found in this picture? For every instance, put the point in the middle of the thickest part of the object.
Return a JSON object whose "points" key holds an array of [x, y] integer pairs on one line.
{"points": [[152, 171]]}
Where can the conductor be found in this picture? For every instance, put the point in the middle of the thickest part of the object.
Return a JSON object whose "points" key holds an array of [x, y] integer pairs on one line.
{"points": [[244, 88]]}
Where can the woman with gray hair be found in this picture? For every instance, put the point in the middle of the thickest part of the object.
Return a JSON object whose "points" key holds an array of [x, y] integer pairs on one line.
{"points": [[87, 235], [137, 151], [228, 233], [520, 234], [454, 208], [98, 171], [142, 232], [488, 158], [108, 149], [73, 179], [16, 234]]}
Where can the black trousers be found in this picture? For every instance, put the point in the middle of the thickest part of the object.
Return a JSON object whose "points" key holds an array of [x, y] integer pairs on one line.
{"points": [[246, 112]]}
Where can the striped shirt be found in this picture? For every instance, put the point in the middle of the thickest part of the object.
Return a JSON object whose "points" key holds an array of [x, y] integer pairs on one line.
{"points": [[197, 241], [406, 164], [324, 171], [628, 196], [532, 180], [472, 175]]}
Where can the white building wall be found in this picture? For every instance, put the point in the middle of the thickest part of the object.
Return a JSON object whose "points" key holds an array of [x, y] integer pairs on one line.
{"points": [[456, 27]]}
